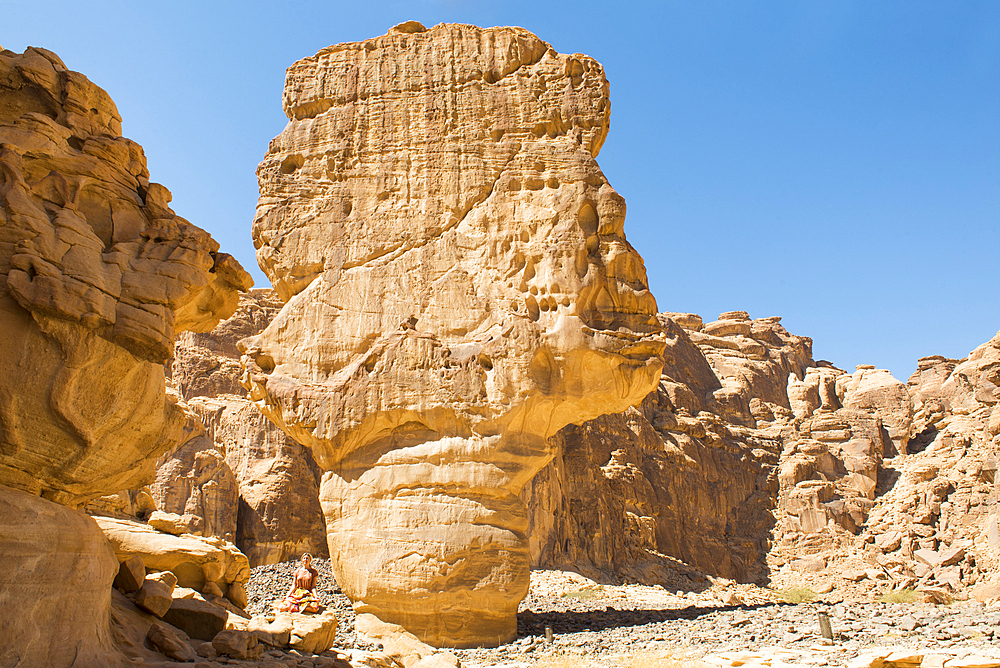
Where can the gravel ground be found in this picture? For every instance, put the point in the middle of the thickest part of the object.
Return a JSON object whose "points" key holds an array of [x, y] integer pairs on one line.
{"points": [[270, 583], [602, 625], [606, 625]]}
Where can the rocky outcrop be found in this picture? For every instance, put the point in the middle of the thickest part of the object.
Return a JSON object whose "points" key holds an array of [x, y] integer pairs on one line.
{"points": [[55, 585], [458, 289], [274, 508], [687, 474], [937, 522], [98, 274], [195, 560], [196, 483]]}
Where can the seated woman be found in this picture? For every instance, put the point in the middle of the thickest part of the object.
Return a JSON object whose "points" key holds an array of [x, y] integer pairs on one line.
{"points": [[302, 596]]}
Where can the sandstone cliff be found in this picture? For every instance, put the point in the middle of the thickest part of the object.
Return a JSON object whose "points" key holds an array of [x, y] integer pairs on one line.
{"points": [[458, 287], [274, 510], [752, 458], [97, 276]]}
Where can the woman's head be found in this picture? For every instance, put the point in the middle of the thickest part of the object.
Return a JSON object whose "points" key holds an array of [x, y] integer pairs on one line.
{"points": [[306, 559]]}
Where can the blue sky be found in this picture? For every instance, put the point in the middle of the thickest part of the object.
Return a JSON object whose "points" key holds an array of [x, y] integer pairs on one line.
{"points": [[835, 163]]}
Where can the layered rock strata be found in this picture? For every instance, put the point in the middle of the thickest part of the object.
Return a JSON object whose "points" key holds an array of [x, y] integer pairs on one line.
{"points": [[196, 484], [458, 288], [937, 523], [274, 509], [690, 474], [97, 275]]}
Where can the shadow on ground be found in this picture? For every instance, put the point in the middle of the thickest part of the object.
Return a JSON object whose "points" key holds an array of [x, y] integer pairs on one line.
{"points": [[534, 623]]}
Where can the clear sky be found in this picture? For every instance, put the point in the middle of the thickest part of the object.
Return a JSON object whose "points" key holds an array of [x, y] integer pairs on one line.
{"points": [[835, 163]]}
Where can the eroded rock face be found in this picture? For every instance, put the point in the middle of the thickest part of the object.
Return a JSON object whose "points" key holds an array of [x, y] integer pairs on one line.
{"points": [[686, 475], [55, 585], [277, 514], [458, 289], [97, 275], [196, 483]]}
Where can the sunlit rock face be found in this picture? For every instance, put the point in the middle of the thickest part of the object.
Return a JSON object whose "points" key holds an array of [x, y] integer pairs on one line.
{"points": [[458, 288], [97, 275]]}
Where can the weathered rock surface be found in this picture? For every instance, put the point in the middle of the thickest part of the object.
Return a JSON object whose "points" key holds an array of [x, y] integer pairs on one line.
{"points": [[691, 473], [195, 560], [197, 618], [277, 515], [97, 275], [721, 460], [55, 585], [196, 483], [458, 289], [171, 641]]}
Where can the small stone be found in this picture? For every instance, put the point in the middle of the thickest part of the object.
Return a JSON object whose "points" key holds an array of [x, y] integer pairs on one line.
{"points": [[170, 642], [211, 589], [952, 556], [207, 650], [929, 557]]}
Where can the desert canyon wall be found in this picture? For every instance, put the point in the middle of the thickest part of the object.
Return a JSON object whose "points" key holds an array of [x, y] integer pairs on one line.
{"points": [[97, 276]]}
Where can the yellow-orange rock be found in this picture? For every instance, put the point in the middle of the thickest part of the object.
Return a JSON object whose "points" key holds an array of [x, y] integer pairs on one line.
{"points": [[458, 288], [55, 585], [97, 274]]}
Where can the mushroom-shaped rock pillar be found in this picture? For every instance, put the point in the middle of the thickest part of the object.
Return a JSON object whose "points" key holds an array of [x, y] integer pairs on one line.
{"points": [[458, 288]]}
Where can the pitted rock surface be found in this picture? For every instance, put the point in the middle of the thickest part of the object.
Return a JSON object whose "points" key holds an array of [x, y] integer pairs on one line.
{"points": [[458, 288]]}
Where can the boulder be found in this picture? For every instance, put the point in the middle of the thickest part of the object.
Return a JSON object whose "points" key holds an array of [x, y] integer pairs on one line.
{"points": [[276, 633], [55, 584], [195, 560], [313, 633], [171, 642], [131, 573], [402, 646], [198, 619], [173, 524], [154, 597], [444, 317], [166, 577], [237, 593], [237, 644]]}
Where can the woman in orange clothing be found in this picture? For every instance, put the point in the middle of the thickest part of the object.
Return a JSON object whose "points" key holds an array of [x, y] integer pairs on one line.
{"points": [[302, 596]]}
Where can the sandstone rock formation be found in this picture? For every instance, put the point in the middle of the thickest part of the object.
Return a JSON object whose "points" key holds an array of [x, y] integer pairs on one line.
{"points": [[735, 470], [937, 523], [55, 585], [687, 474], [195, 560], [98, 275], [458, 289], [196, 483], [277, 514]]}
